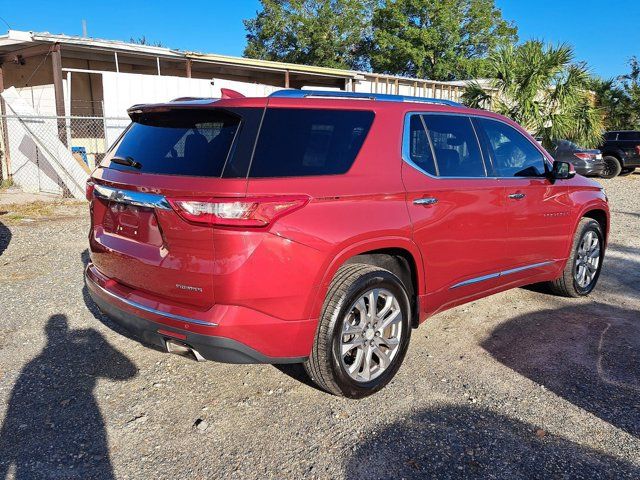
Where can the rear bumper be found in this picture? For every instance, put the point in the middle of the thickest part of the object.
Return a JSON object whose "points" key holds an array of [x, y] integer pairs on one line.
{"points": [[633, 162], [590, 168], [229, 334]]}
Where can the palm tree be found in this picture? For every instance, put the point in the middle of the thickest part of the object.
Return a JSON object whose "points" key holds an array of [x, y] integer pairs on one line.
{"points": [[543, 89]]}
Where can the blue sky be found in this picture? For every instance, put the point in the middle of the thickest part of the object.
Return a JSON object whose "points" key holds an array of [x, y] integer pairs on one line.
{"points": [[605, 34]]}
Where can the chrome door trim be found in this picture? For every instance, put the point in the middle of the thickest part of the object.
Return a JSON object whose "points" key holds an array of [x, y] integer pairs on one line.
{"points": [[406, 140], [139, 306], [476, 280], [526, 267], [499, 274], [131, 197]]}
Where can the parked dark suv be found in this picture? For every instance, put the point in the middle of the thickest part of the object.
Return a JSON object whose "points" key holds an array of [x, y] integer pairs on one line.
{"points": [[322, 227], [620, 152]]}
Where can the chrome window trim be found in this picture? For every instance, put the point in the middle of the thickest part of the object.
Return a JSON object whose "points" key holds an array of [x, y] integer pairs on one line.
{"points": [[153, 310], [406, 146], [131, 197], [502, 273]]}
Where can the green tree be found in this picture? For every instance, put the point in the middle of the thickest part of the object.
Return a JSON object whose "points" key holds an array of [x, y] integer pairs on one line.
{"points": [[613, 100], [631, 85], [437, 39], [543, 89], [143, 41], [327, 33]]}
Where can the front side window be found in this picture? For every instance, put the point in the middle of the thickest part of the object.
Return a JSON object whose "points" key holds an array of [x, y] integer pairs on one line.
{"points": [[513, 155], [301, 142], [455, 146]]}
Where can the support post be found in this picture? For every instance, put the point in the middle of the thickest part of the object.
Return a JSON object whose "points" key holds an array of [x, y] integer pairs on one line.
{"points": [[286, 79], [158, 64], [5, 134], [56, 64], [188, 66]]}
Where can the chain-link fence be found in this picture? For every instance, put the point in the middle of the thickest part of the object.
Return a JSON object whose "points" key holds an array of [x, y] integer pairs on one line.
{"points": [[48, 154]]}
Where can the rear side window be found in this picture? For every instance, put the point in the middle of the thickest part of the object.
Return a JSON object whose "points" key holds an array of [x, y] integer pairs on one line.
{"points": [[190, 142], [611, 136], [419, 146], [629, 136], [513, 154], [302, 142], [455, 146]]}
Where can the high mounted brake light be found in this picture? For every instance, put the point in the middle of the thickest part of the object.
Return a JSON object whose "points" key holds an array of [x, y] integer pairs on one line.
{"points": [[253, 212]]}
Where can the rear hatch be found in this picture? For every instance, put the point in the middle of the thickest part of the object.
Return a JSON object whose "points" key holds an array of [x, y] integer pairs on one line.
{"points": [[168, 154]]}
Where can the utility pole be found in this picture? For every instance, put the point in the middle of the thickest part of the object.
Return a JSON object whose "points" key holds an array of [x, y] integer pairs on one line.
{"points": [[84, 28]]}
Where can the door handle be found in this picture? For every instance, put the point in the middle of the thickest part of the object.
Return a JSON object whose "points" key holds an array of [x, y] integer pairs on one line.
{"points": [[425, 201], [517, 196]]}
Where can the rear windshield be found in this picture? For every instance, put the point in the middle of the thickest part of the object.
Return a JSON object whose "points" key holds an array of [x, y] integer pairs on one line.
{"points": [[180, 142], [302, 142], [629, 136]]}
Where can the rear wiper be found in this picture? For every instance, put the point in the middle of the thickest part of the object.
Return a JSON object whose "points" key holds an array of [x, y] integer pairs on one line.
{"points": [[128, 161]]}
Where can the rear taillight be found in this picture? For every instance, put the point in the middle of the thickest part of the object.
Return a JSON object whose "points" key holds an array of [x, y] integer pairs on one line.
{"points": [[88, 189], [251, 212], [638, 149], [585, 156]]}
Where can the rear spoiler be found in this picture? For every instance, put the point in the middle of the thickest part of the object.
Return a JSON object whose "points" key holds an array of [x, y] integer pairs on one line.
{"points": [[135, 111]]}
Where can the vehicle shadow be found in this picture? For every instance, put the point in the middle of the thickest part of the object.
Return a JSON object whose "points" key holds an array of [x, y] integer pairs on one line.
{"points": [[464, 442], [5, 237], [53, 426], [588, 354]]}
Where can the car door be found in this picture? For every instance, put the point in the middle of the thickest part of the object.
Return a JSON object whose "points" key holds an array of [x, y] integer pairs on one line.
{"points": [[538, 212], [457, 212]]}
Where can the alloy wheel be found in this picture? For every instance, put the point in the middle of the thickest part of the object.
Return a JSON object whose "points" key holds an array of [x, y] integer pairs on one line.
{"points": [[587, 259], [371, 335]]}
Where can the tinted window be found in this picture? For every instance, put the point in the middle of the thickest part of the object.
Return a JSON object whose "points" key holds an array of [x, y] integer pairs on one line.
{"points": [[419, 147], [611, 135], [513, 155], [629, 136], [455, 146], [300, 142], [180, 142]]}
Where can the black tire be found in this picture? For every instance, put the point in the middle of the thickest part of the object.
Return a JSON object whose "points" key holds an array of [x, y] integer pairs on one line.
{"points": [[612, 167], [325, 365], [566, 285], [627, 171]]}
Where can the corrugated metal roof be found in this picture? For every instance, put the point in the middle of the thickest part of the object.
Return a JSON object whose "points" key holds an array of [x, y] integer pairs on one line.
{"points": [[16, 37]]}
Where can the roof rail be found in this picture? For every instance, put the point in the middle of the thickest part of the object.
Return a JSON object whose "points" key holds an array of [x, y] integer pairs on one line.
{"points": [[382, 97]]}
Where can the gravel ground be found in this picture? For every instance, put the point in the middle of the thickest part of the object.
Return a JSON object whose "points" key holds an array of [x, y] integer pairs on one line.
{"points": [[519, 385]]}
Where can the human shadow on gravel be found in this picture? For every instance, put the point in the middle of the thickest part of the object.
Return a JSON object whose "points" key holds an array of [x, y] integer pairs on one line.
{"points": [[589, 354], [5, 237], [53, 427], [101, 317], [464, 442]]}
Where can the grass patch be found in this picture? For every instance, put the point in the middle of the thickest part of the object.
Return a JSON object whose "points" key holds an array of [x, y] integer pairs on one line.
{"points": [[32, 211], [6, 183]]}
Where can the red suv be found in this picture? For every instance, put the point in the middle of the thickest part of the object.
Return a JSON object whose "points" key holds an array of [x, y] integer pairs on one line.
{"points": [[322, 227]]}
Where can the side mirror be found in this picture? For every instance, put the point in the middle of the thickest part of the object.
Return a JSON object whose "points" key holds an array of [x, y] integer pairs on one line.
{"points": [[562, 171]]}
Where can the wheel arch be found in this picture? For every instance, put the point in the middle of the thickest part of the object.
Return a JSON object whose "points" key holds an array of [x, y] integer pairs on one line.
{"points": [[601, 216], [398, 255]]}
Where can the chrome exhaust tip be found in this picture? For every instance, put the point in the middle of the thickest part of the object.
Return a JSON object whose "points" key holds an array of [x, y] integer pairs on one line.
{"points": [[183, 350]]}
